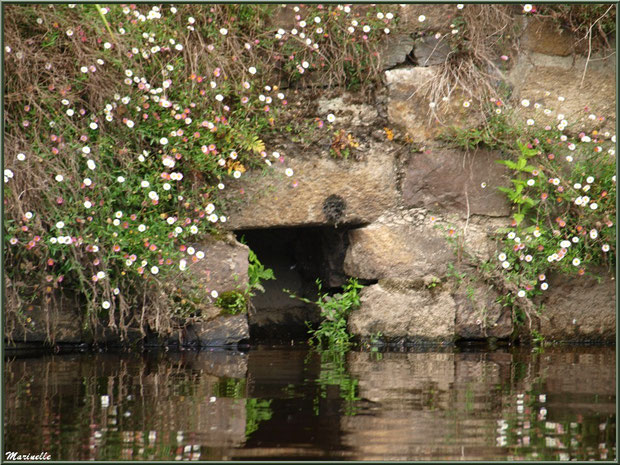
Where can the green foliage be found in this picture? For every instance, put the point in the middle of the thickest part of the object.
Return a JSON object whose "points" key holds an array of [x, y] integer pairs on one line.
{"points": [[126, 125], [234, 302], [257, 273], [332, 331]]}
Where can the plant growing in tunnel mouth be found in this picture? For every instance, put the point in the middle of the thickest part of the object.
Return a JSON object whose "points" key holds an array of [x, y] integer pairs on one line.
{"points": [[234, 302], [335, 310]]}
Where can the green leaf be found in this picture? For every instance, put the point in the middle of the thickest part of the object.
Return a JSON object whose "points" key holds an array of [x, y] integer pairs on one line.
{"points": [[518, 217], [510, 164]]}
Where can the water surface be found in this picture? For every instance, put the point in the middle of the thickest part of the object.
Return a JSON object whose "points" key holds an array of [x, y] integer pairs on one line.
{"points": [[295, 404]]}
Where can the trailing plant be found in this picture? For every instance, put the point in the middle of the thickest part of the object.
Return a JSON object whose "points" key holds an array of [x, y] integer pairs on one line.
{"points": [[125, 124]]}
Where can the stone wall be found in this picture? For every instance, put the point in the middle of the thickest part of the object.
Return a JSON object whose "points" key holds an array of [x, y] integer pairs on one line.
{"points": [[417, 209]]}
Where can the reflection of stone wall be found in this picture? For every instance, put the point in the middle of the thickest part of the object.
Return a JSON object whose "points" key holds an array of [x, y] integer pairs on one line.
{"points": [[444, 406], [175, 397]]}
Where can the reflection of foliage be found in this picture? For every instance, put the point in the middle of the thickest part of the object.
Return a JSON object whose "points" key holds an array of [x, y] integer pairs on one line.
{"points": [[334, 373], [230, 387], [256, 410]]}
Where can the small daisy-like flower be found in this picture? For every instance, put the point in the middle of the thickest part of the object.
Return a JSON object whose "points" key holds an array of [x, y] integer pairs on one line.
{"points": [[506, 265], [237, 174], [59, 178], [531, 182], [605, 247], [331, 118], [87, 204], [530, 122], [594, 206], [105, 304], [252, 70], [288, 172], [593, 233], [120, 179], [511, 235], [521, 293], [421, 18], [576, 262], [466, 104], [544, 286], [154, 270], [502, 257], [525, 102], [141, 228], [214, 294]]}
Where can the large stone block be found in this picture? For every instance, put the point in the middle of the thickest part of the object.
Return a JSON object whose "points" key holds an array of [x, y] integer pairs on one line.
{"points": [[453, 180], [404, 314], [544, 78], [409, 104], [224, 330], [541, 35], [478, 315], [397, 251], [322, 190], [580, 309]]}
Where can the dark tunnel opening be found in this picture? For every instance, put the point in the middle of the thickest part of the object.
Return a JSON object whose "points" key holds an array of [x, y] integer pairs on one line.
{"points": [[298, 257]]}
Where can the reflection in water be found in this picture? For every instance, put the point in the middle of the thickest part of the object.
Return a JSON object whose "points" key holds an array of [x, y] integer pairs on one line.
{"points": [[294, 404]]}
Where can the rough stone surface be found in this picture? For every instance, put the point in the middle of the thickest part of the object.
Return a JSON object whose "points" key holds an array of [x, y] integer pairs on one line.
{"points": [[397, 251], [453, 180], [395, 49], [541, 35], [408, 104], [222, 331], [579, 309], [430, 51], [534, 74], [365, 187], [437, 17], [63, 325], [478, 315], [400, 313], [224, 268]]}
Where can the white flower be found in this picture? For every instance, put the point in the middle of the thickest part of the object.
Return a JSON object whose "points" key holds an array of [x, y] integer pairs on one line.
{"points": [[593, 233], [105, 304], [101, 275], [200, 255], [594, 206], [213, 218], [331, 118], [120, 179], [153, 195], [575, 239], [252, 70], [220, 186], [531, 182], [191, 250], [576, 262], [28, 215], [142, 228], [214, 294], [87, 204], [182, 264], [544, 286], [589, 179], [511, 235], [163, 141], [506, 265], [59, 178], [210, 208], [288, 172], [145, 183], [460, 6], [530, 122], [91, 164], [569, 159], [525, 102], [421, 18], [501, 257], [521, 293], [21, 156], [380, 15], [389, 16], [565, 244], [237, 174], [154, 270], [60, 225], [528, 258], [366, 28], [193, 229]]}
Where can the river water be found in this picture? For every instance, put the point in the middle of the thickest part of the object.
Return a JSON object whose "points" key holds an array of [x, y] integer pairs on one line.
{"points": [[290, 403]]}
